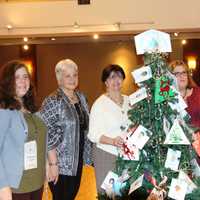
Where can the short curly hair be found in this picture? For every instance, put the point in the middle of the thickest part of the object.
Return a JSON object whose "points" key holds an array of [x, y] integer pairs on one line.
{"points": [[7, 88]]}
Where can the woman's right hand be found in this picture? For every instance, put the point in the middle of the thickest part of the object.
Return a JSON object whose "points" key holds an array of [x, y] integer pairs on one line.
{"points": [[117, 141], [5, 193], [52, 167], [51, 173], [54, 173]]}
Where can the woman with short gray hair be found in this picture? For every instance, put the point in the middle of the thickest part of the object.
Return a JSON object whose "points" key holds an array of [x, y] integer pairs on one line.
{"points": [[66, 114]]}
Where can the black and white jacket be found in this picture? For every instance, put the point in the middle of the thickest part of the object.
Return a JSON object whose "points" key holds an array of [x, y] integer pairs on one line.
{"points": [[63, 125]]}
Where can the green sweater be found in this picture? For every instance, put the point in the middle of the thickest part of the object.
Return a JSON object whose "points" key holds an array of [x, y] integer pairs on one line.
{"points": [[33, 179]]}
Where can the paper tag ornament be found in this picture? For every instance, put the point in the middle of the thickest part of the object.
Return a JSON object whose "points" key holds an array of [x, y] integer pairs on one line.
{"points": [[136, 184], [177, 189], [159, 191], [124, 176], [108, 183], [113, 185], [162, 89], [173, 159], [180, 105], [195, 168], [152, 41], [176, 135], [129, 151], [138, 96], [166, 125], [142, 74], [118, 187], [140, 137], [120, 184], [184, 178], [157, 194]]}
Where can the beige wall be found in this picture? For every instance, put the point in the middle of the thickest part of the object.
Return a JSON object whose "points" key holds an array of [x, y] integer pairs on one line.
{"points": [[91, 58], [58, 17]]}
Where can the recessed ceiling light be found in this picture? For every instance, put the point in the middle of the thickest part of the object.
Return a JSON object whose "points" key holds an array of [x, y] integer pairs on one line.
{"points": [[25, 39], [53, 39], [9, 26], [176, 34], [96, 36], [25, 47], [184, 42]]}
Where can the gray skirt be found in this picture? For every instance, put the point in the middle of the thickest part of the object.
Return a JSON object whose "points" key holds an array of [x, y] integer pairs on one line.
{"points": [[103, 163]]}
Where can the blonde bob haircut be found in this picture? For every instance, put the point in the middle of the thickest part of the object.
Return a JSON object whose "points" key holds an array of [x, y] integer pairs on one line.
{"points": [[62, 65]]}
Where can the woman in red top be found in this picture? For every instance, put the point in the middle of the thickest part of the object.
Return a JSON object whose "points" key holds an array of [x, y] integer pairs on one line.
{"points": [[188, 89]]}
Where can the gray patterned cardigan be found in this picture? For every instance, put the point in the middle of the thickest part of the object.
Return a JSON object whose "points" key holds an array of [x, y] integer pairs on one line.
{"points": [[62, 121]]}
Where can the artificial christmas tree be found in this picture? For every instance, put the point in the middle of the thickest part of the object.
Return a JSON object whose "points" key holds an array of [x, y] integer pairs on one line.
{"points": [[157, 154]]}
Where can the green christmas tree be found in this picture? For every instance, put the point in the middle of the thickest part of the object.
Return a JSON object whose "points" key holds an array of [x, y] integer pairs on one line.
{"points": [[157, 160], [152, 113]]}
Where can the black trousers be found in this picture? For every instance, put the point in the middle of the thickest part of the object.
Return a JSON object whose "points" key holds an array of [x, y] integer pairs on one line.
{"points": [[67, 186], [35, 195]]}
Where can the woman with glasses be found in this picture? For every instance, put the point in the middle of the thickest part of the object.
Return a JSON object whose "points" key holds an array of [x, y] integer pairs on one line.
{"points": [[188, 89], [108, 114]]}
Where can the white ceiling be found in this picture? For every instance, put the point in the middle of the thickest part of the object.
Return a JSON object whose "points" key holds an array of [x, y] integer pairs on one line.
{"points": [[56, 18]]}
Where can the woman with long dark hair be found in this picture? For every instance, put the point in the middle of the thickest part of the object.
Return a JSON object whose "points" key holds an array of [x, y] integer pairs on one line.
{"points": [[22, 136]]}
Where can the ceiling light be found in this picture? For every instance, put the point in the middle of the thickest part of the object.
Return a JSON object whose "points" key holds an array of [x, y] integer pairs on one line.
{"points": [[25, 47], [9, 26], [76, 25], [25, 39], [184, 42], [53, 39], [176, 34], [96, 36], [117, 26]]}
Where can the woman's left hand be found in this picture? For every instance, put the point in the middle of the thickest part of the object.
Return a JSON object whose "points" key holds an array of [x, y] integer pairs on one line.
{"points": [[117, 141]]}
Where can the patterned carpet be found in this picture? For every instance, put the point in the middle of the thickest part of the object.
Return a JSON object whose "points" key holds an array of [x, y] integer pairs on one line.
{"points": [[88, 186]]}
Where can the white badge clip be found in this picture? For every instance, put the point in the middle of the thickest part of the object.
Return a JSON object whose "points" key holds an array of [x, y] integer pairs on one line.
{"points": [[30, 155]]}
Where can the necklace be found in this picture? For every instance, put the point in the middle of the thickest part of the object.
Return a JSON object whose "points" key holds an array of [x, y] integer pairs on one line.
{"points": [[71, 95], [118, 101], [73, 98]]}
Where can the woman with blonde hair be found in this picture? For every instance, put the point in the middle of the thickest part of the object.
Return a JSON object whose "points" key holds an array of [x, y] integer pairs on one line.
{"points": [[66, 114], [188, 89]]}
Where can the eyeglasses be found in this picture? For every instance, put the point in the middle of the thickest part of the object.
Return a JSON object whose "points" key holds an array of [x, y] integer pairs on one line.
{"points": [[178, 74]]}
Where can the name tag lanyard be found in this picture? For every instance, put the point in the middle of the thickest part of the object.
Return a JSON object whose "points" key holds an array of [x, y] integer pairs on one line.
{"points": [[30, 146], [25, 127]]}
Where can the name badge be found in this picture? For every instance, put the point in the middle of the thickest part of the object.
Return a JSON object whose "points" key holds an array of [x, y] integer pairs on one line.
{"points": [[30, 155]]}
